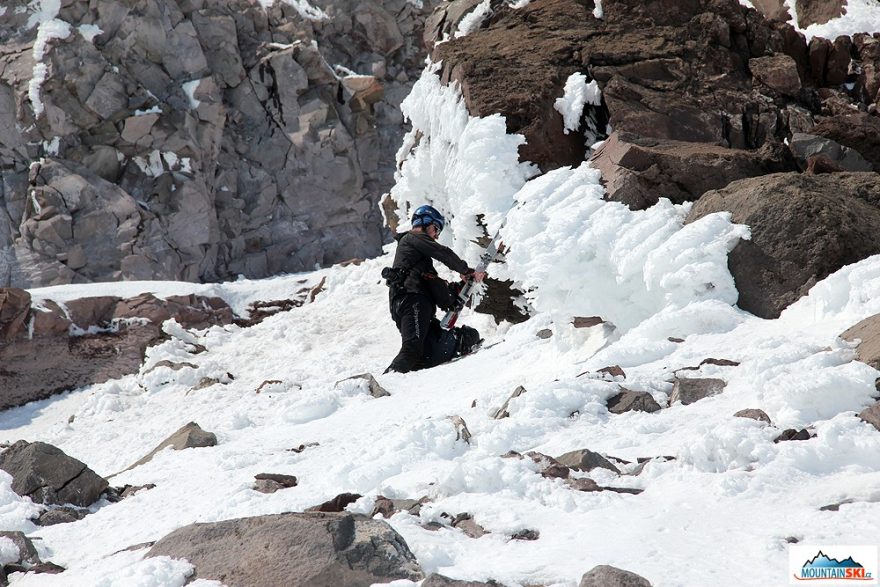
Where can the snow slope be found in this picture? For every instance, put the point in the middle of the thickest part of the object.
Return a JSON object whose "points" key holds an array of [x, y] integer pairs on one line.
{"points": [[730, 495]]}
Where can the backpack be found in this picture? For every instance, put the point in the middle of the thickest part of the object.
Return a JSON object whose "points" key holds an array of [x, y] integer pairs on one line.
{"points": [[442, 346]]}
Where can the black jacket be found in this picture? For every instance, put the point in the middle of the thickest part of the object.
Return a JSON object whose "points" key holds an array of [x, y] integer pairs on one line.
{"points": [[415, 251]]}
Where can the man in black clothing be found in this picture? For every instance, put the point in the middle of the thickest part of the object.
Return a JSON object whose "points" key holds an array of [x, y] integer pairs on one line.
{"points": [[414, 302]]}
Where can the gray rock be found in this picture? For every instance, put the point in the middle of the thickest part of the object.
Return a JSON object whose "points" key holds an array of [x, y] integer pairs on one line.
{"points": [[585, 460], [375, 389], [272, 482], [293, 549], [804, 146], [47, 475], [871, 415], [503, 412], [435, 580], [691, 389], [61, 515], [27, 553], [608, 576], [754, 414], [628, 400]]}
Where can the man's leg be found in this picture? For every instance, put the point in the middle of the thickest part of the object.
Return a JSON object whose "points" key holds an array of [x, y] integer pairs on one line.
{"points": [[416, 312]]}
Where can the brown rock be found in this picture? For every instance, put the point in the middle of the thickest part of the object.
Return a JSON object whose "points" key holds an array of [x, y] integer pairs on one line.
{"points": [[639, 171], [867, 332], [859, 131], [811, 12], [337, 504], [792, 434], [871, 415], [435, 580], [189, 435], [803, 228], [778, 72], [585, 460], [691, 389], [754, 414], [502, 411], [632, 401], [15, 306]]}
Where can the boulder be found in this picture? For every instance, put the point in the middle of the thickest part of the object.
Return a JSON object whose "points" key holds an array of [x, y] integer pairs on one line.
{"points": [[754, 414], [871, 415], [293, 549], [803, 228], [15, 307], [47, 475], [608, 576], [804, 146], [585, 460], [793, 434], [27, 553], [632, 401], [867, 332], [337, 504], [272, 482], [688, 390], [639, 171]]}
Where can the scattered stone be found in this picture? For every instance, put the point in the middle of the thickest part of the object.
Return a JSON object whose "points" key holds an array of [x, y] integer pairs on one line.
{"points": [[613, 371], [628, 400], [302, 447], [337, 504], [465, 522], [435, 580], [272, 482], [204, 383], [629, 490], [754, 414], [189, 435], [525, 534], [690, 390], [293, 549], [871, 415], [675, 339], [585, 460], [376, 390], [582, 484], [27, 553], [792, 434], [47, 475], [130, 490], [550, 467], [502, 411], [608, 576], [792, 540], [544, 333], [388, 507], [61, 515], [461, 429], [587, 321], [835, 507], [165, 363], [260, 310]]}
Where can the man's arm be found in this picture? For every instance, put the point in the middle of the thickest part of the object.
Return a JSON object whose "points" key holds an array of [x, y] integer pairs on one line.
{"points": [[431, 248]]}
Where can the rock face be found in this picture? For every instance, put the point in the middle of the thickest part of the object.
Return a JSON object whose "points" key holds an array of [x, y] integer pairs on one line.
{"points": [[50, 349], [803, 227], [47, 475], [199, 140], [298, 550], [668, 70]]}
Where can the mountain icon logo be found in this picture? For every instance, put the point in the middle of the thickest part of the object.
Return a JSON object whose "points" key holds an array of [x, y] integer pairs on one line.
{"points": [[822, 567], [824, 561]]}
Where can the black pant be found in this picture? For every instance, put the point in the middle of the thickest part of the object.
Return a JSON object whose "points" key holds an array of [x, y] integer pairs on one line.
{"points": [[412, 313]]}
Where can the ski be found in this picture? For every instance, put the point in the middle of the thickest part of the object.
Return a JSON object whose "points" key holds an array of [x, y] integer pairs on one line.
{"points": [[464, 295]]}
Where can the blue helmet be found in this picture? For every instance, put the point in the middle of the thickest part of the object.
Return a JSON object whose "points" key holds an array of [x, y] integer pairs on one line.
{"points": [[427, 215]]}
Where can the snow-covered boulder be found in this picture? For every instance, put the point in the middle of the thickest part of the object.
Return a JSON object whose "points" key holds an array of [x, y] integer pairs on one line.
{"points": [[293, 549], [47, 475]]}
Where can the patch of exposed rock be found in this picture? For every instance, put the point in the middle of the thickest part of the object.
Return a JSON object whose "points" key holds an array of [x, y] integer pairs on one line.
{"points": [[200, 140], [51, 348], [803, 228], [47, 475], [293, 549], [867, 332]]}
